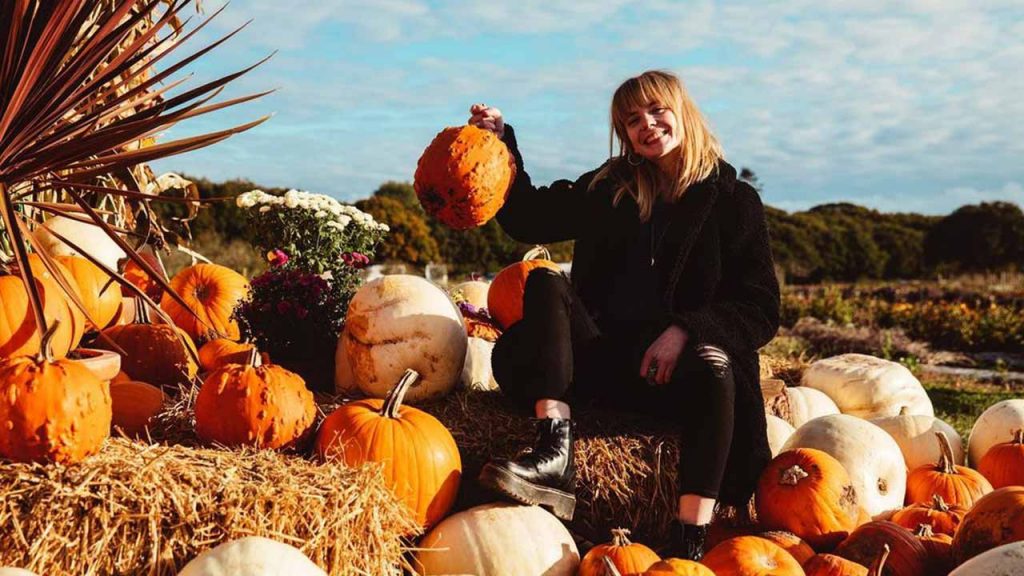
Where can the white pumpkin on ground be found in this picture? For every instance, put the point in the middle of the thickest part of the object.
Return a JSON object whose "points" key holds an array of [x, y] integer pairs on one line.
{"points": [[915, 435], [477, 373], [474, 291], [498, 539], [398, 322], [344, 380], [995, 426], [871, 458], [806, 404], [868, 387], [1005, 560], [778, 432], [86, 236], [16, 572], [252, 556]]}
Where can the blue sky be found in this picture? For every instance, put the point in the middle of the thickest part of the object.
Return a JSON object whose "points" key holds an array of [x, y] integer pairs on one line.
{"points": [[913, 105]]}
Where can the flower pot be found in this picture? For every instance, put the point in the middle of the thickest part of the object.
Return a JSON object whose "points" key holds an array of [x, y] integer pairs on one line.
{"points": [[103, 363]]}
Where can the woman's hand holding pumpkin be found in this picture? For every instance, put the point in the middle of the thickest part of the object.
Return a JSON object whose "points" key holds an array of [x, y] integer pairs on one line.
{"points": [[661, 357], [488, 118]]}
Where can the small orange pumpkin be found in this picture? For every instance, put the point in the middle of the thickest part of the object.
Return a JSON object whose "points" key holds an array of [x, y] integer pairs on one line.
{"points": [[791, 543], [421, 461], [751, 556], [141, 279], [221, 351], [1003, 464], [939, 547], [464, 176], [134, 405], [995, 519], [957, 485], [628, 557], [211, 293], [807, 492], [943, 518], [505, 297], [679, 567], [52, 410], [832, 565], [99, 294], [908, 557], [265, 406], [159, 354]]}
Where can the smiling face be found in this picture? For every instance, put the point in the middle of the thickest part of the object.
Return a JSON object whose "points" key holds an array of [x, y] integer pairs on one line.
{"points": [[652, 130]]}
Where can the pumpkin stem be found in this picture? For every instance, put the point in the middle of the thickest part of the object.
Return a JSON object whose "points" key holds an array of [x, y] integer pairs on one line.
{"points": [[393, 401], [1018, 436], [793, 475], [946, 463], [609, 567], [879, 564], [538, 252], [924, 531], [141, 311], [939, 504], [903, 411], [45, 346], [254, 359], [620, 537]]}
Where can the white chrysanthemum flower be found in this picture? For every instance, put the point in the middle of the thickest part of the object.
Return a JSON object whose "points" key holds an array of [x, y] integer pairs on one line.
{"points": [[264, 209], [320, 214]]}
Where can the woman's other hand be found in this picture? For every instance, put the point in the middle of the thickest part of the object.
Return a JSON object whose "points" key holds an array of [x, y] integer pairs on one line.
{"points": [[660, 359], [488, 118]]}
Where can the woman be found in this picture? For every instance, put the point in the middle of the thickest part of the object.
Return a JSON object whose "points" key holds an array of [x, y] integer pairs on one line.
{"points": [[673, 291]]}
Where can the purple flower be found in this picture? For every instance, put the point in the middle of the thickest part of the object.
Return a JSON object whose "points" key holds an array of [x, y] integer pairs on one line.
{"points": [[283, 307], [300, 312], [356, 260], [277, 257]]}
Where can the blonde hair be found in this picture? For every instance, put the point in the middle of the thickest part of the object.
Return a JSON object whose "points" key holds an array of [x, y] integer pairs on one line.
{"points": [[699, 150]]}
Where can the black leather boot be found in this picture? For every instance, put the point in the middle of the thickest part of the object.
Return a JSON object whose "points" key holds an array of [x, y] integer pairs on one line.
{"points": [[545, 475], [687, 541]]}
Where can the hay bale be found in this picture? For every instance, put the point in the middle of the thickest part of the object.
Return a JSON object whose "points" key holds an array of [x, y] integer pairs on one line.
{"points": [[141, 508]]}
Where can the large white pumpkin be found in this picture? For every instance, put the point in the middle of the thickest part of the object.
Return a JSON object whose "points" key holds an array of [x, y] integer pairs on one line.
{"points": [[252, 556], [498, 540], [344, 380], [868, 387], [778, 432], [474, 291], [995, 425], [915, 435], [399, 322], [1005, 560], [807, 404], [89, 237], [871, 458], [477, 373], [16, 572]]}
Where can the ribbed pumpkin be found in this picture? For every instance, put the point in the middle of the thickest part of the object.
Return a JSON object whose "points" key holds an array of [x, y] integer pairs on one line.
{"points": [[996, 519], [908, 557], [957, 485], [134, 404], [211, 293], [252, 556], [807, 492], [99, 294], [915, 434], [679, 567], [18, 333], [832, 565], [52, 410], [464, 176], [943, 518], [159, 354], [421, 461], [939, 547], [141, 279], [251, 404], [995, 426], [791, 543], [806, 404], [221, 351], [751, 556], [629, 558], [505, 297], [1003, 464], [61, 278]]}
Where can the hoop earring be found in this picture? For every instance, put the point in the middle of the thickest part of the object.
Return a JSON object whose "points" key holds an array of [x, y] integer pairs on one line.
{"points": [[634, 160]]}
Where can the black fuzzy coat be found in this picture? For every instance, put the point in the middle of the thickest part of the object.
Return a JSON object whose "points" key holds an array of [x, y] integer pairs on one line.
{"points": [[713, 259]]}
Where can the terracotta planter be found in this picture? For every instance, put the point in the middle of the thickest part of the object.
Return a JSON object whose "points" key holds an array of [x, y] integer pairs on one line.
{"points": [[103, 363]]}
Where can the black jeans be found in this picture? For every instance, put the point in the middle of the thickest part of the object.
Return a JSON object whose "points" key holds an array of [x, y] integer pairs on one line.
{"points": [[557, 351]]}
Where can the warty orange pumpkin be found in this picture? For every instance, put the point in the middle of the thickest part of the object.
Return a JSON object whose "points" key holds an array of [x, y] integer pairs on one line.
{"points": [[211, 293], [505, 296], [957, 485], [1003, 464], [421, 461], [628, 557]]}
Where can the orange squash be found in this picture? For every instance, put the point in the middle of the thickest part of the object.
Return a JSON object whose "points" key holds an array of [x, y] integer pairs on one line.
{"points": [[505, 297], [832, 565], [679, 567], [138, 277], [464, 176], [628, 557], [221, 351], [264, 406], [211, 293], [421, 461], [943, 518], [995, 519], [159, 354], [52, 410], [751, 556], [939, 547], [957, 485], [791, 543], [99, 294], [908, 557], [807, 492], [18, 333], [1003, 464], [134, 405]]}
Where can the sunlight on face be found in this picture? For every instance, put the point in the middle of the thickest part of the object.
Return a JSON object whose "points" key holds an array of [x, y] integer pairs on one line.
{"points": [[653, 130]]}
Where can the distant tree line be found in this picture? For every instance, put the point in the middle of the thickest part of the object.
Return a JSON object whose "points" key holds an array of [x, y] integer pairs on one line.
{"points": [[831, 242]]}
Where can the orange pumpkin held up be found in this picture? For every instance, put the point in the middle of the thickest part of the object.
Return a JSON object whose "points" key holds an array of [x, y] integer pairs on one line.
{"points": [[264, 406], [505, 297], [421, 461], [628, 557], [464, 176], [1003, 464], [53, 410], [211, 293]]}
